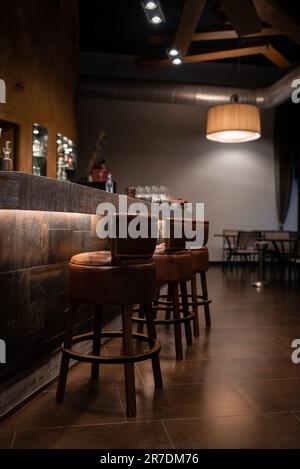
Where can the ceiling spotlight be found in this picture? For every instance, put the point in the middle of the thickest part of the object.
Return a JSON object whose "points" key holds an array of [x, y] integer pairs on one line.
{"points": [[173, 52], [177, 61], [36, 131], [175, 55], [156, 19], [153, 11], [150, 5]]}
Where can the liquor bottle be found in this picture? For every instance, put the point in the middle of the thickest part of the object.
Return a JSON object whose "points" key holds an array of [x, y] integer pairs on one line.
{"points": [[109, 184], [7, 162]]}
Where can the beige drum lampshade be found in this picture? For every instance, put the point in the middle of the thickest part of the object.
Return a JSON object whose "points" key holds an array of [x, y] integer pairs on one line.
{"points": [[233, 123]]}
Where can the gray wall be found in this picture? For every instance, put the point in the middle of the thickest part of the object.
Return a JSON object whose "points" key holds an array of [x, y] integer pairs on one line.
{"points": [[154, 144]]}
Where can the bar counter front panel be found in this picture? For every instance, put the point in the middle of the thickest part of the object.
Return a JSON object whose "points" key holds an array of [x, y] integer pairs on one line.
{"points": [[44, 222]]}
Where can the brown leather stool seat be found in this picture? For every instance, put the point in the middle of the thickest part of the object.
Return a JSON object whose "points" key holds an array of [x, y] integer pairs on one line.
{"points": [[200, 260], [95, 279], [125, 276], [173, 269], [200, 266]]}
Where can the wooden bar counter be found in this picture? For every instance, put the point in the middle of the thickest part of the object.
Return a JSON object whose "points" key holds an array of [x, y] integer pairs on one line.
{"points": [[43, 222]]}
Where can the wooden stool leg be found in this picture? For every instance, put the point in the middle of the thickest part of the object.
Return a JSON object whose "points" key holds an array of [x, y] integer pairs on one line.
{"points": [[155, 302], [169, 297], [152, 335], [205, 297], [177, 326], [195, 306], [97, 342], [140, 326], [65, 360], [129, 367], [185, 306]]}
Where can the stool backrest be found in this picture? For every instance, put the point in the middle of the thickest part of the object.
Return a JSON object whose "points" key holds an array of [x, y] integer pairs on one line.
{"points": [[126, 248], [174, 243]]}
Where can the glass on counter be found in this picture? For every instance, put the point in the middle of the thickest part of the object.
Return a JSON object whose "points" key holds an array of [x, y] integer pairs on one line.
{"points": [[150, 193], [39, 150], [66, 158], [9, 132], [6, 164]]}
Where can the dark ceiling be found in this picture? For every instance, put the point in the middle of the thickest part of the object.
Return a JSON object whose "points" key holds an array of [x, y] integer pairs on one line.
{"points": [[120, 27]]}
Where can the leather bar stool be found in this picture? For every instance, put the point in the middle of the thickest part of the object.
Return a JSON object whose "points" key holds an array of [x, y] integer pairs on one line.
{"points": [[125, 276], [174, 269], [200, 266]]}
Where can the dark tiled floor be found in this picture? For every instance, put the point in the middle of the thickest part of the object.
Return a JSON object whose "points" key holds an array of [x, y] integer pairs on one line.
{"points": [[252, 431], [236, 388], [127, 435], [111, 377], [80, 408], [272, 395]]}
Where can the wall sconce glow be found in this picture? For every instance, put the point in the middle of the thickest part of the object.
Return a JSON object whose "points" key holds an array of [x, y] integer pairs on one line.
{"points": [[150, 5], [2, 92], [233, 123], [153, 11], [2, 352]]}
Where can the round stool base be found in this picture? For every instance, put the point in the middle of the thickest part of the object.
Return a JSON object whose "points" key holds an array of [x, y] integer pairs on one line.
{"points": [[163, 301], [80, 357]]}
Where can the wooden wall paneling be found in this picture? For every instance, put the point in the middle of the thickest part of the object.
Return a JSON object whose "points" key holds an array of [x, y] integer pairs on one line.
{"points": [[38, 61]]}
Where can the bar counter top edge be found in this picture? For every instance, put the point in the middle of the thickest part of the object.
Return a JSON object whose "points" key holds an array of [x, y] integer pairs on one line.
{"points": [[22, 191]]}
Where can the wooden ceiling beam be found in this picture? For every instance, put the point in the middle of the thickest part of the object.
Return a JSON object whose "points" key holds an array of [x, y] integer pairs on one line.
{"points": [[275, 15], [218, 35], [205, 57], [276, 57], [232, 34], [267, 50], [188, 23], [242, 16]]}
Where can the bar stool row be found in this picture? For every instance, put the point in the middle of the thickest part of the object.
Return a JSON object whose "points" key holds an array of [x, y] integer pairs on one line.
{"points": [[132, 275]]}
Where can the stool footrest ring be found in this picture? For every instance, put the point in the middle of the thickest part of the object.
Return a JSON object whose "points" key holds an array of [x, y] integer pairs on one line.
{"points": [[160, 322], [200, 303], [167, 304], [80, 357]]}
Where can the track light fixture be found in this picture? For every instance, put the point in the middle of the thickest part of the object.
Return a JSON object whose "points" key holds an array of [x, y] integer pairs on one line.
{"points": [[175, 55], [153, 11]]}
